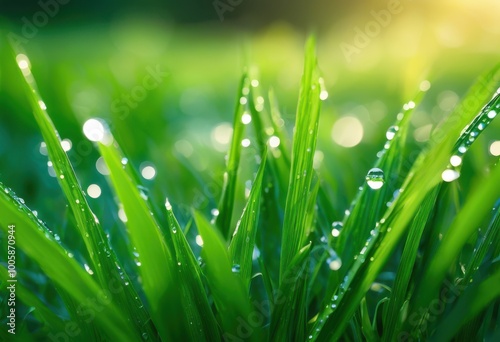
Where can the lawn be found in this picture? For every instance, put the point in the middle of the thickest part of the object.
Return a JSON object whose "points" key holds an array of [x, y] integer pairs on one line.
{"points": [[194, 183]]}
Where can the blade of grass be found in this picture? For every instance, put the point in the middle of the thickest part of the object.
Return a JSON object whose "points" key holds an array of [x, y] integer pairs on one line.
{"points": [[42, 312], [103, 260], [226, 204], [425, 174], [399, 294], [301, 174], [223, 279], [472, 302], [35, 240], [197, 309], [243, 241], [289, 316], [159, 265]]}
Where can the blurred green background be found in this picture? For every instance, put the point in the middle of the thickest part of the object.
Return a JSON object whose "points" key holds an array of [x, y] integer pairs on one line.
{"points": [[92, 59]]}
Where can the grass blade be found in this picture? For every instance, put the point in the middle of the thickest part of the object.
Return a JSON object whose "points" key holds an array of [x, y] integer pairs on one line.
{"points": [[35, 240], [223, 279], [226, 205], [243, 242], [301, 174]]}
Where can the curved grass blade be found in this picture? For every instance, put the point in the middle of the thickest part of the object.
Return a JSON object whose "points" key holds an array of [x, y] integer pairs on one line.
{"points": [[301, 174], [243, 242], [35, 240], [226, 205], [159, 269], [227, 288], [466, 222], [103, 260]]}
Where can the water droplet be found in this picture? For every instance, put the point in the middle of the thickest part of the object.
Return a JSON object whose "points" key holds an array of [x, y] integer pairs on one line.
{"points": [[456, 160], [94, 130], [87, 268], [391, 132], [236, 268], [492, 114], [124, 161], [337, 226], [274, 141], [334, 263], [450, 175], [145, 336], [246, 118], [375, 178]]}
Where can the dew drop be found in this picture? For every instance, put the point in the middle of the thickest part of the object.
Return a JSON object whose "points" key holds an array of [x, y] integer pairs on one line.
{"points": [[456, 160], [375, 178], [391, 132], [449, 175], [236, 268]]}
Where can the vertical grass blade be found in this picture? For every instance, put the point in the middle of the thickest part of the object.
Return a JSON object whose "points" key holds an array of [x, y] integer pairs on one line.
{"points": [[227, 287], [243, 242], [227, 199], [301, 174], [399, 294]]}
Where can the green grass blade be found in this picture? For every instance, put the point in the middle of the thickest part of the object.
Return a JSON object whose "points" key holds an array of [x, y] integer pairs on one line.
{"points": [[43, 313], [103, 260], [466, 222], [399, 294], [301, 174], [35, 240], [223, 279], [159, 269], [203, 325], [471, 303], [226, 204], [243, 242], [289, 315], [426, 173]]}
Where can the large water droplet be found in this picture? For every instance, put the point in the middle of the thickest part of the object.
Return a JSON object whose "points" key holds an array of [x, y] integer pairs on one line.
{"points": [[337, 226], [375, 178], [94, 130], [236, 268], [450, 175], [334, 263], [391, 132]]}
